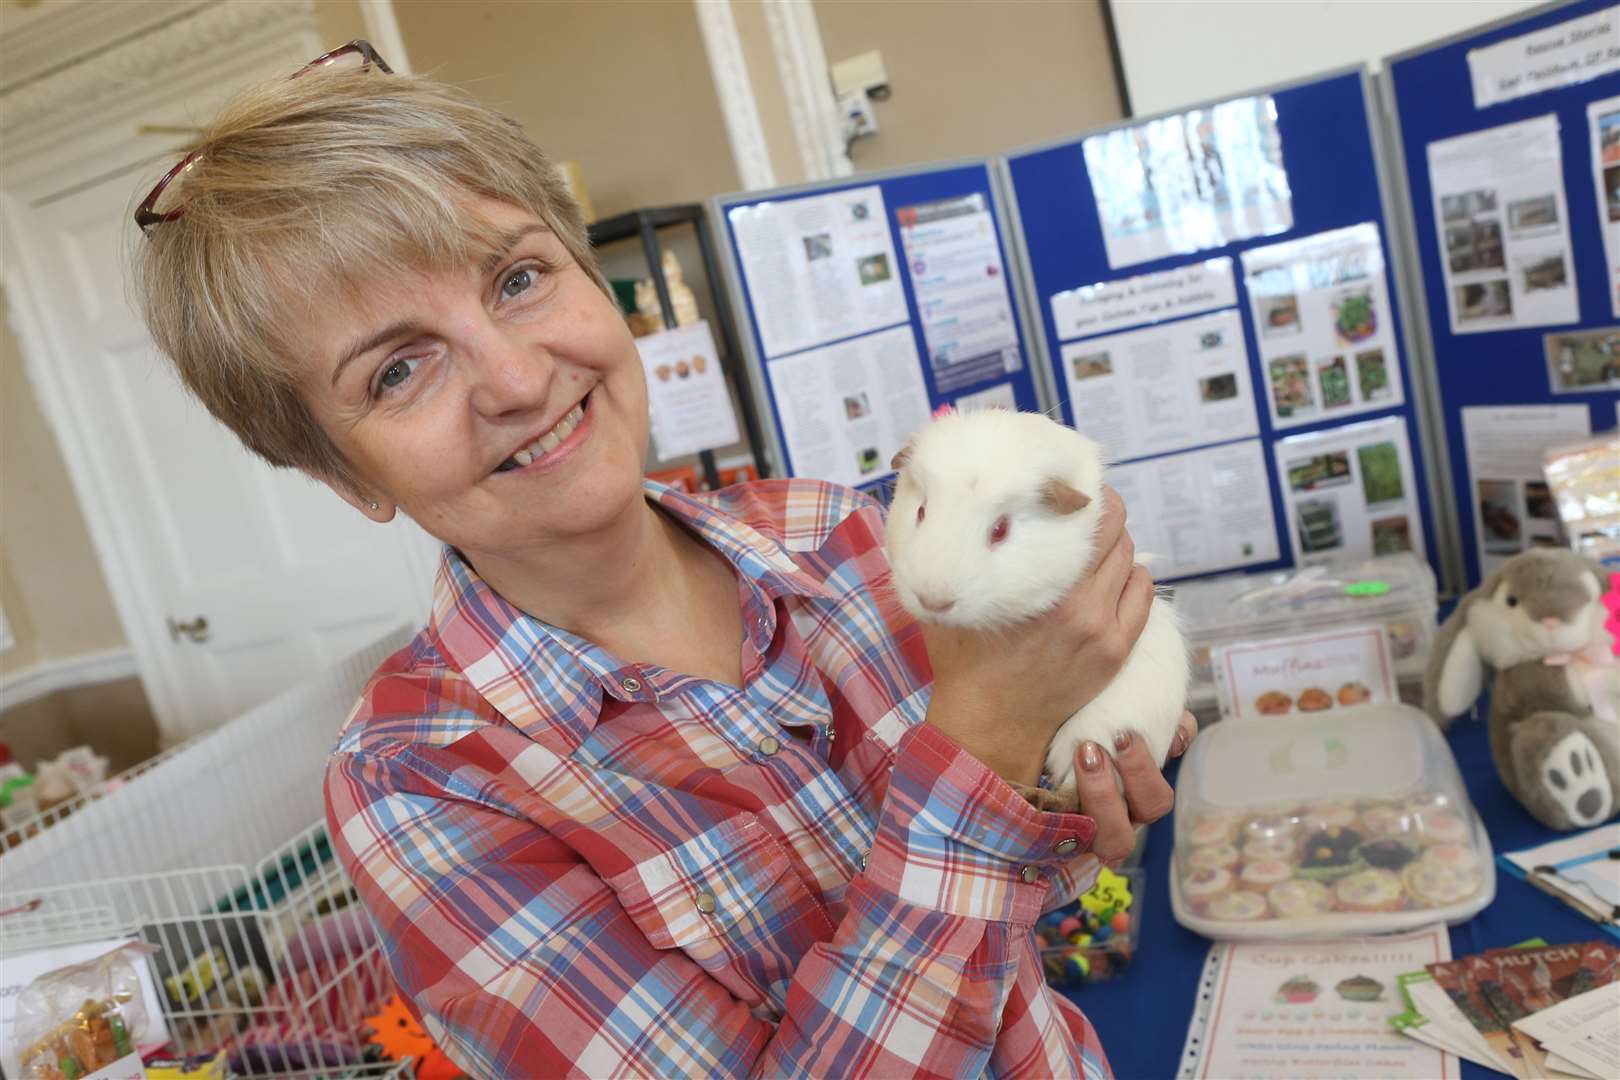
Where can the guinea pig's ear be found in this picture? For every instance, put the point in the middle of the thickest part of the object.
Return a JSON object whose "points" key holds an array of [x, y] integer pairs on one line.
{"points": [[902, 455], [1058, 496]]}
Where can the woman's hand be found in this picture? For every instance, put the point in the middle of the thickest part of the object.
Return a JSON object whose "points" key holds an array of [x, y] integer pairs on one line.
{"points": [[1125, 791], [1001, 695]]}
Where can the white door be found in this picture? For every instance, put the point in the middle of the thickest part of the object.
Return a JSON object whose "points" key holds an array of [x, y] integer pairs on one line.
{"points": [[189, 526]]}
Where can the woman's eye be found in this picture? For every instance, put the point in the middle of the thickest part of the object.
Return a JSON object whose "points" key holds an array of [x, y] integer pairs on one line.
{"points": [[517, 283], [397, 372]]}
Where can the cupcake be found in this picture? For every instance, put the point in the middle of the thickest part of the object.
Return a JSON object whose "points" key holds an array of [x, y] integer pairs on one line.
{"points": [[1369, 891], [1442, 827], [1385, 820], [1286, 850], [1359, 988], [1353, 693], [1427, 802], [1298, 899], [1213, 829], [1299, 990], [1273, 703], [1328, 814], [1387, 852], [1262, 874], [1214, 857], [1238, 907], [1433, 885], [1202, 886], [1270, 827], [1457, 856], [1330, 853], [1314, 699]]}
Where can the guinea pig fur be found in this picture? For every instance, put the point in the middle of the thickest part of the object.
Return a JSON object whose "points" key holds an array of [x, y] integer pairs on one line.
{"points": [[993, 520]]}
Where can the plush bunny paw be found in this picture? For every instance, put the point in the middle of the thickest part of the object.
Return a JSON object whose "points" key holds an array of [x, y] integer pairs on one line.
{"points": [[1573, 775]]}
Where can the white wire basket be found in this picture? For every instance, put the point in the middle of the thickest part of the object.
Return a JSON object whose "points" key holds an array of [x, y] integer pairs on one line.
{"points": [[217, 854]]}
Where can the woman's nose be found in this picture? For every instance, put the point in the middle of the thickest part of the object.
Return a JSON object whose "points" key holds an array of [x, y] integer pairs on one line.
{"points": [[509, 376]]}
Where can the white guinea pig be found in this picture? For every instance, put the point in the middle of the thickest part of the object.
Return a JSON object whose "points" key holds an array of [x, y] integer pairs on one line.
{"points": [[993, 520]]}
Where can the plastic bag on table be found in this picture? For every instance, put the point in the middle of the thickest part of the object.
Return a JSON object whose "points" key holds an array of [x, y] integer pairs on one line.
{"points": [[77, 1020]]}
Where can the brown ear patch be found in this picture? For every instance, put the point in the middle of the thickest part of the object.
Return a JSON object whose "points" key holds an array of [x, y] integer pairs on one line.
{"points": [[901, 456], [1058, 497]]}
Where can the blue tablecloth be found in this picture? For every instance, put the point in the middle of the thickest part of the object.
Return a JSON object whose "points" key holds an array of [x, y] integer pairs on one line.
{"points": [[1142, 1015]]}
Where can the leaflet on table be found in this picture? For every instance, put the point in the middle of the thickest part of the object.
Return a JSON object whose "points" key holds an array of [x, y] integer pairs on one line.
{"points": [[846, 409], [1190, 182], [687, 398], [1327, 334], [1306, 673], [961, 289], [1312, 1009], [1583, 361], [1514, 509], [818, 268], [1200, 511], [1603, 117], [1563, 54], [1585, 1028], [1349, 492], [1504, 227], [1146, 298], [1162, 388]]}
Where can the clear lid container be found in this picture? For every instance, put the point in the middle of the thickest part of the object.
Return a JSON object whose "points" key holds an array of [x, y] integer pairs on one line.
{"points": [[1393, 591], [1354, 822]]}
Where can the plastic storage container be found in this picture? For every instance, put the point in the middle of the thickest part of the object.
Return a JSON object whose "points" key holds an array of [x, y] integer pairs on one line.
{"points": [[1393, 591], [1094, 937], [1354, 822]]}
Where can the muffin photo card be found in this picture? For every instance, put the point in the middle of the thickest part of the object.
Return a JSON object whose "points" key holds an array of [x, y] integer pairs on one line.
{"points": [[1310, 673]]}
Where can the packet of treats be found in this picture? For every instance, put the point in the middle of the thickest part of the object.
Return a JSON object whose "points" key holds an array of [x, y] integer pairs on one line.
{"points": [[76, 1021]]}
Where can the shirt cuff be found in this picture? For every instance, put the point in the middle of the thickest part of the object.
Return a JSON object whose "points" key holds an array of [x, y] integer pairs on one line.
{"points": [[955, 837]]}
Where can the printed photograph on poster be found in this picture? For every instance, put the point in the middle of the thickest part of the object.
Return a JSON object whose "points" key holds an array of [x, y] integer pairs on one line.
{"points": [[1513, 506], [1603, 118], [1504, 227], [1190, 182], [1200, 511], [687, 399], [961, 290], [1165, 387], [1327, 337], [818, 268], [1349, 492], [846, 409], [1145, 298], [1583, 361]]}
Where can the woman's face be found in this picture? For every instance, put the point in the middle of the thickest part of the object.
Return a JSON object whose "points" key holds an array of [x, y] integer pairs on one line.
{"points": [[501, 405]]}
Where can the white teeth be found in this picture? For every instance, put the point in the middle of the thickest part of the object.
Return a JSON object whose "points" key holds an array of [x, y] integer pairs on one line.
{"points": [[552, 439], [549, 441], [523, 457]]}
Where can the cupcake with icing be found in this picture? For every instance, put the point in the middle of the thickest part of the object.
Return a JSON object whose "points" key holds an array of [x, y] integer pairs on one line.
{"points": [[1211, 830], [1370, 890], [1286, 850], [1388, 852], [1385, 821], [1238, 907], [1433, 885], [1261, 874], [1203, 885], [1299, 899], [1329, 814], [1442, 827], [1329, 854], [1215, 856], [1460, 857], [1274, 826]]}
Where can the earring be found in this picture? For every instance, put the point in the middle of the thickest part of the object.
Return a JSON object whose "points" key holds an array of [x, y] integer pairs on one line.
{"points": [[373, 505]]}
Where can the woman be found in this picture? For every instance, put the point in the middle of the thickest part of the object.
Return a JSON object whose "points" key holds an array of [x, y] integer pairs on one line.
{"points": [[665, 786]]}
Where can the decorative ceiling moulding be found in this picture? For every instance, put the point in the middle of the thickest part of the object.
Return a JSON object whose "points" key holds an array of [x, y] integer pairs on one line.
{"points": [[80, 81]]}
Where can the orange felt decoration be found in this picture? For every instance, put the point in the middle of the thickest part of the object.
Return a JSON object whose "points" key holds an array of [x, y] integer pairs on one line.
{"points": [[400, 1036]]}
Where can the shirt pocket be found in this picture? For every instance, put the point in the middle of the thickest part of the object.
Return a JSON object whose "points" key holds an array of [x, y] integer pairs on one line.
{"points": [[729, 899]]}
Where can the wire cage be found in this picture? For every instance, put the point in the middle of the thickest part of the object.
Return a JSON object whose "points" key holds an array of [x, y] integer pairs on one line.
{"points": [[217, 854]]}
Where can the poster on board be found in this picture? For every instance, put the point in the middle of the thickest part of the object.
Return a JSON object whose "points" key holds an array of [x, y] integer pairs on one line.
{"points": [[846, 409], [1200, 511], [1327, 332], [1145, 298], [1514, 509], [1504, 227], [687, 400], [1161, 388], [1190, 182], [961, 289], [1603, 118], [1350, 492], [818, 269]]}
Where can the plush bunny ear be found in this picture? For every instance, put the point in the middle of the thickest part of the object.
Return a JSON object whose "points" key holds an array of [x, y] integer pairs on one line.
{"points": [[1456, 673]]}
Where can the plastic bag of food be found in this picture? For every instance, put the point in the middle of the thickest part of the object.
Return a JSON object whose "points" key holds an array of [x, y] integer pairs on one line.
{"points": [[76, 1021]]}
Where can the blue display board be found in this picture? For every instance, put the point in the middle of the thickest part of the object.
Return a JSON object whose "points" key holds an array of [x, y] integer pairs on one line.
{"points": [[1434, 99], [842, 362], [1333, 181]]}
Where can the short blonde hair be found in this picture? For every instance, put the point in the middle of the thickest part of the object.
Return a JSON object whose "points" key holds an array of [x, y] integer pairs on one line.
{"points": [[304, 189]]}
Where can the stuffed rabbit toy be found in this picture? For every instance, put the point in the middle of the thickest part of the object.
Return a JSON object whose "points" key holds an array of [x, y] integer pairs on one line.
{"points": [[1538, 622]]}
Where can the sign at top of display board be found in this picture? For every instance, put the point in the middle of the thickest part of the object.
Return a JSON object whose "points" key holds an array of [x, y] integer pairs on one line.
{"points": [[1145, 298], [1570, 52], [1190, 182]]}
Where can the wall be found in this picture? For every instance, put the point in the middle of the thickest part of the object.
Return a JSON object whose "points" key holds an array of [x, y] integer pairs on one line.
{"points": [[1180, 52], [975, 77]]}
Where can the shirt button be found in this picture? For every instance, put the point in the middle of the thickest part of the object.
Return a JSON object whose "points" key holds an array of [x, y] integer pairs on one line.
{"points": [[630, 684], [1066, 847], [705, 903], [864, 856], [1030, 874], [769, 745]]}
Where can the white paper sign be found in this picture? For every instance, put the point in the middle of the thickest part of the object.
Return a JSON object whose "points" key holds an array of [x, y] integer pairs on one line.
{"points": [[819, 268], [1562, 55], [1349, 492], [847, 409], [686, 392], [1146, 298], [17, 970], [1327, 334], [1306, 674], [1514, 509], [1503, 225], [1162, 388], [1603, 118], [1200, 511]]}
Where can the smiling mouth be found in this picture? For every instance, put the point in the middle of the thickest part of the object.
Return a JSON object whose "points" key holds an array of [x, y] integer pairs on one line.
{"points": [[545, 444]]}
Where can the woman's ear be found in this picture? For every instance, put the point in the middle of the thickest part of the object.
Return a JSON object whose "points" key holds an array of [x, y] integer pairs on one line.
{"points": [[376, 508]]}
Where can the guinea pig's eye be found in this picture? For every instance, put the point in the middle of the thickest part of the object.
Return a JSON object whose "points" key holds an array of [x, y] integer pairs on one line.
{"points": [[1512, 601], [922, 511], [998, 531]]}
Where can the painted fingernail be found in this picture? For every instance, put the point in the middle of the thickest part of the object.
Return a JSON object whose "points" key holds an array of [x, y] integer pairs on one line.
{"points": [[1180, 744], [1091, 757], [1122, 741]]}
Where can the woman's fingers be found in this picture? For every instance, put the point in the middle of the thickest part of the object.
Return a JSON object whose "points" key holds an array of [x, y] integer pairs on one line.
{"points": [[1102, 801], [1148, 796], [1184, 734]]}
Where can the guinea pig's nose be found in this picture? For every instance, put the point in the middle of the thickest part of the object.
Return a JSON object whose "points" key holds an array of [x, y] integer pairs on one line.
{"points": [[1551, 622], [934, 603]]}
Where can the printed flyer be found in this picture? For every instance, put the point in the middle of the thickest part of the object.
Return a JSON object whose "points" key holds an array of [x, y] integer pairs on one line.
{"points": [[1162, 388], [1307, 673], [1504, 227], [1200, 511], [1563, 54], [1349, 492], [687, 399], [1327, 333], [1604, 119], [1514, 509]]}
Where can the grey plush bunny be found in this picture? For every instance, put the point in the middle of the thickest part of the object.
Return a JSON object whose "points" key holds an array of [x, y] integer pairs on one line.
{"points": [[1555, 735]]}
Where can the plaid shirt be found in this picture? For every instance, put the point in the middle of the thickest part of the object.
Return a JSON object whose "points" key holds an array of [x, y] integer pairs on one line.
{"points": [[583, 865]]}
